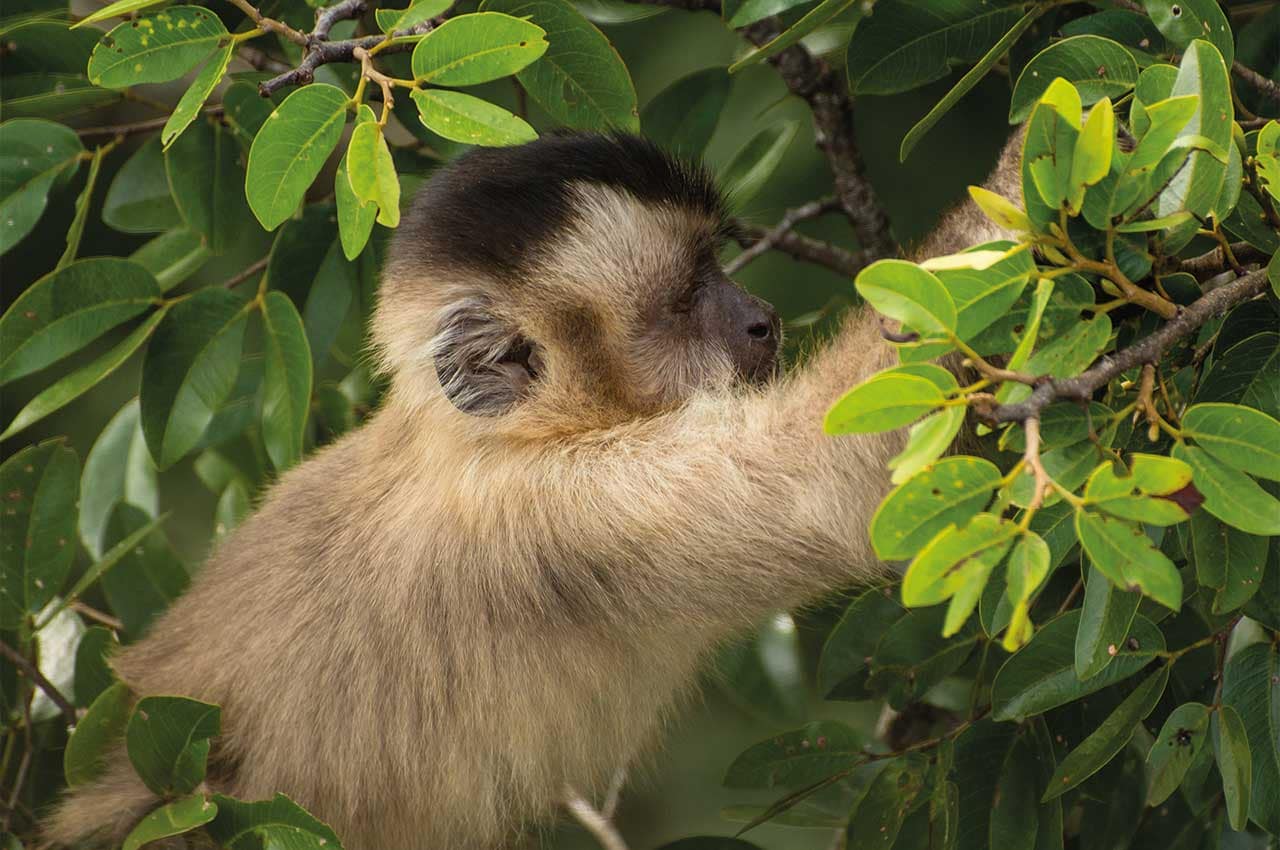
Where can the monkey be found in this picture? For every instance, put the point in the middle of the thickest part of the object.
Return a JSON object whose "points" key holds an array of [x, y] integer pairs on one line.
{"points": [[587, 472]]}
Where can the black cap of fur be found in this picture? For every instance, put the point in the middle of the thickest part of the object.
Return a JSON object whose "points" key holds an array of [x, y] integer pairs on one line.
{"points": [[493, 208]]}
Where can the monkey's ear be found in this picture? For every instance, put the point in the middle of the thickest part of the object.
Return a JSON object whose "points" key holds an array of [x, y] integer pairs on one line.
{"points": [[485, 367]]}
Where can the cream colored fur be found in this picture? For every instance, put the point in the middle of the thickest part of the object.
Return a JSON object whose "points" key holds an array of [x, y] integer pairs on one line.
{"points": [[431, 627]]}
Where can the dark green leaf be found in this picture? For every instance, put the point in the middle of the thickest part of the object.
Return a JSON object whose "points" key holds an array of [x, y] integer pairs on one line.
{"points": [[1105, 616], [117, 469], [1042, 674], [816, 17], [138, 200], [69, 308], [93, 675], [1181, 738], [1198, 185], [174, 818], [915, 655], [79, 381], [76, 231], [168, 742], [1098, 67], [751, 167], [208, 186], [245, 111], [1014, 808], [581, 81], [852, 642], [683, 116], [795, 758], [1110, 737], [189, 371], [1230, 495], [32, 155], [1231, 747], [1252, 688], [143, 578], [1228, 560], [237, 818], [53, 95], [891, 796], [287, 386], [1238, 436], [41, 486], [103, 725]]}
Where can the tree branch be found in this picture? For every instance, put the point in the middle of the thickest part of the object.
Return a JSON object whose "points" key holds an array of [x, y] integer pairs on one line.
{"points": [[1147, 350], [600, 827], [327, 16], [1215, 261], [760, 240], [33, 673], [1266, 86], [323, 52]]}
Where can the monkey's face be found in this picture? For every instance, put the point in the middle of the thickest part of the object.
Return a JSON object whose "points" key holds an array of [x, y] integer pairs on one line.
{"points": [[575, 273]]}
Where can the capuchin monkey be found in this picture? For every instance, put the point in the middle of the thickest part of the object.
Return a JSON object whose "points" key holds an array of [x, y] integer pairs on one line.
{"points": [[586, 474]]}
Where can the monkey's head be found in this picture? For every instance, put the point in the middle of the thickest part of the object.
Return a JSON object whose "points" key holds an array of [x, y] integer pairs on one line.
{"points": [[577, 272]]}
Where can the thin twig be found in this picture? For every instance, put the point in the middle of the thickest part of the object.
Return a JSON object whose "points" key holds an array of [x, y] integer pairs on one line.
{"points": [[1148, 349], [1032, 456], [806, 248], [1214, 262], [98, 616], [327, 16], [33, 673], [593, 821], [328, 52], [266, 24], [785, 225], [246, 273], [261, 60], [137, 126]]}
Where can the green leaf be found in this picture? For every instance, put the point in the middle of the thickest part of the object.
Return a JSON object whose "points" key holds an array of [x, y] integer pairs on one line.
{"points": [[462, 118], [192, 100], [174, 818], [905, 45], [79, 381], [287, 387], [1227, 559], [1183, 21], [93, 671], [156, 48], [234, 504], [798, 757], [914, 655], [118, 9], [816, 17], [69, 308], [32, 155], [1027, 569], [1125, 554], [372, 174], [85, 756], [41, 487], [1098, 68], [903, 291], [1197, 185], [76, 231], [580, 81], [887, 401], [950, 492], [189, 371], [328, 302], [1105, 617], [172, 257], [1110, 737], [53, 95], [245, 111], [890, 797], [1231, 748], [1267, 163], [391, 20], [1091, 160], [138, 200], [237, 819], [1252, 688], [853, 641], [751, 167], [168, 742], [355, 219], [1014, 807], [1181, 738], [44, 43], [683, 116], [207, 184], [999, 209], [1238, 436], [1061, 424], [140, 581], [117, 469], [1041, 675], [927, 440], [1229, 494], [291, 148], [476, 48], [968, 81], [956, 557], [739, 13]]}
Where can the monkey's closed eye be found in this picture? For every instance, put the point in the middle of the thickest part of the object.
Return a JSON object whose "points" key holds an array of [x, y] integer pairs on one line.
{"points": [[688, 296]]}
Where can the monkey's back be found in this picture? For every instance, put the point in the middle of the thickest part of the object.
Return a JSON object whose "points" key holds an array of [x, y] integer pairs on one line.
{"points": [[388, 656]]}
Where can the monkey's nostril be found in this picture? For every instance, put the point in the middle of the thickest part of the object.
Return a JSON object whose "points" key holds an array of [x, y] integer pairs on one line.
{"points": [[760, 330]]}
